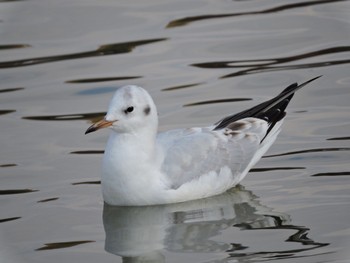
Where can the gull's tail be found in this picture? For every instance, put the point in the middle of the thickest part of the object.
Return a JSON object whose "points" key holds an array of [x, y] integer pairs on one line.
{"points": [[271, 111]]}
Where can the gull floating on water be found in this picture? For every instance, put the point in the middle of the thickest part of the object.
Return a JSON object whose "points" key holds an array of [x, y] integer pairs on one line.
{"points": [[144, 167]]}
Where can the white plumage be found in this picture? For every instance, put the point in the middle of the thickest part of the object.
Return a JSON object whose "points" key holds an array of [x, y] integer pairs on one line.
{"points": [[143, 167]]}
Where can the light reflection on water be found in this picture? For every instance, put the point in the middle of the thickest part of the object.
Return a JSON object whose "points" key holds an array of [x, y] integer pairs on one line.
{"points": [[141, 233], [201, 61]]}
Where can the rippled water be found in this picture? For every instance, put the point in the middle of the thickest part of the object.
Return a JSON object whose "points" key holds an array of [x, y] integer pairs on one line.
{"points": [[60, 62]]}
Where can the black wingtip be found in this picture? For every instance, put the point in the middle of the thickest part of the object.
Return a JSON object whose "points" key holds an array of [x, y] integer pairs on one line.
{"points": [[294, 87], [262, 110], [307, 82], [287, 93]]}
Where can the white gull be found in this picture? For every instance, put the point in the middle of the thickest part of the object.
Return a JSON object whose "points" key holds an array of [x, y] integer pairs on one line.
{"points": [[144, 167]]}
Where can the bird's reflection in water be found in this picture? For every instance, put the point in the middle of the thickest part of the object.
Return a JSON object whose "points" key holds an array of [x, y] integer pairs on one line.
{"points": [[139, 234]]}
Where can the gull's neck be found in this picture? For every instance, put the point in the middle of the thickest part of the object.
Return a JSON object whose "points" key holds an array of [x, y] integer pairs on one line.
{"points": [[140, 144], [127, 161]]}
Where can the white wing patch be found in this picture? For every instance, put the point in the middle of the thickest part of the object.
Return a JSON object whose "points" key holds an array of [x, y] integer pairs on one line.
{"points": [[195, 152]]}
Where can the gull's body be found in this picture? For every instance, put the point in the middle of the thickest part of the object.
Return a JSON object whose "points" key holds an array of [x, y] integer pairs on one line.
{"points": [[143, 167]]}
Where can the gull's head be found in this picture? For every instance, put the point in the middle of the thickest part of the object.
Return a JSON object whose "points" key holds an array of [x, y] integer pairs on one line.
{"points": [[130, 110]]}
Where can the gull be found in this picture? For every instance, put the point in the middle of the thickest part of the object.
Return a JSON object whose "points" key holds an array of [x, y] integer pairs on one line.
{"points": [[143, 167]]}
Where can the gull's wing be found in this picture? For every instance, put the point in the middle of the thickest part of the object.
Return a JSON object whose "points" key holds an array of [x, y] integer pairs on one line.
{"points": [[271, 111], [236, 142], [192, 153]]}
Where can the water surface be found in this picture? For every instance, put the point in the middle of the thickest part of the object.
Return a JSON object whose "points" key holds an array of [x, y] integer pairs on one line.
{"points": [[60, 62]]}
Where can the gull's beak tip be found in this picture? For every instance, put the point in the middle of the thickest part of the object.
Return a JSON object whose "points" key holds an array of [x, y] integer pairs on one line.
{"points": [[90, 129], [99, 125]]}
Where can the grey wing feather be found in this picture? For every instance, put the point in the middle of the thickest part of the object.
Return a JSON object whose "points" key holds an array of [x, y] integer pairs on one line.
{"points": [[192, 153]]}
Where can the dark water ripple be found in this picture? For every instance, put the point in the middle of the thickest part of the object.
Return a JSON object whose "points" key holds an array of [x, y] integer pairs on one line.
{"points": [[68, 117], [300, 236], [182, 86], [338, 139], [309, 151], [267, 169], [269, 61], [216, 101], [9, 219], [8, 165], [3, 112], [48, 200], [16, 191], [292, 67], [88, 152], [104, 50], [191, 19], [87, 182], [273, 64], [4, 1], [332, 174], [275, 255], [10, 90], [13, 46], [60, 245], [93, 80]]}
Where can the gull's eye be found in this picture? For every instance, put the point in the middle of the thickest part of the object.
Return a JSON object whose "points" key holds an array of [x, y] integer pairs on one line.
{"points": [[129, 109]]}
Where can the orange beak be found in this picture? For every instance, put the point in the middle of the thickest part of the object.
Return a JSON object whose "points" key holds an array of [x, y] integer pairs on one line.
{"points": [[99, 125]]}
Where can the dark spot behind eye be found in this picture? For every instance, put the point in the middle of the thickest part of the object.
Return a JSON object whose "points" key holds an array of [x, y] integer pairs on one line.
{"points": [[129, 109], [147, 110]]}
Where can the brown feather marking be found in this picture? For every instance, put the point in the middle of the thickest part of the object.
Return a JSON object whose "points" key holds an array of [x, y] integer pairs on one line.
{"points": [[237, 125], [232, 133]]}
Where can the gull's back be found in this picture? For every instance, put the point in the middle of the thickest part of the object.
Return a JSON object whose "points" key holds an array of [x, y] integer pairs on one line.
{"points": [[227, 149]]}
